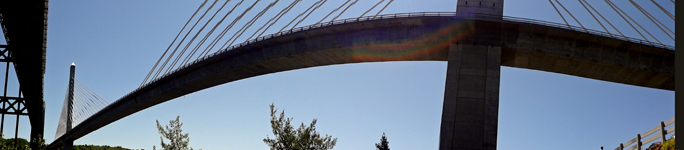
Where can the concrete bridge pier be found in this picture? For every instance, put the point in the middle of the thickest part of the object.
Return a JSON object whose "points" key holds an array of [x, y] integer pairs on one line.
{"points": [[471, 98], [470, 111], [68, 144]]}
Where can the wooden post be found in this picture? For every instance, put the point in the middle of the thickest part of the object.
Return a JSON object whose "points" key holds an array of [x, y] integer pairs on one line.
{"points": [[622, 147], [663, 132], [638, 142]]}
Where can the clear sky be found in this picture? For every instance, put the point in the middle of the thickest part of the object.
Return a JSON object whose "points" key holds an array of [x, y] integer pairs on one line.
{"points": [[115, 43]]}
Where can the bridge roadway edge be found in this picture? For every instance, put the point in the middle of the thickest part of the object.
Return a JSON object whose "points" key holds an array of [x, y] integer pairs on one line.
{"points": [[523, 45]]}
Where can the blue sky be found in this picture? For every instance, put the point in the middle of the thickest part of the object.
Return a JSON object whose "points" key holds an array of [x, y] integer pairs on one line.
{"points": [[115, 43]]}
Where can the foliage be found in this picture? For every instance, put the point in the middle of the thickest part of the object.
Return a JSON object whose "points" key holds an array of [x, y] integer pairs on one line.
{"points": [[41, 142], [98, 147], [22, 144], [304, 138], [173, 132], [669, 144], [8, 144], [383, 145]]}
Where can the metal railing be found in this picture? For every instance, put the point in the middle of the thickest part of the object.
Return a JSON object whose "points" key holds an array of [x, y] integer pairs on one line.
{"points": [[639, 141], [507, 19]]}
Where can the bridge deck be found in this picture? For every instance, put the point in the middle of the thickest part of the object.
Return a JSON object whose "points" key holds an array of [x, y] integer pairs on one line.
{"points": [[423, 37]]}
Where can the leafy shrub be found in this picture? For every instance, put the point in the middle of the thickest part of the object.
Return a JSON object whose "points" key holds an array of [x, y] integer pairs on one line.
{"points": [[669, 144]]}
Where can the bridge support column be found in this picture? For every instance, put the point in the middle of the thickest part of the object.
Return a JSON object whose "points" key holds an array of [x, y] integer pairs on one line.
{"points": [[37, 127], [68, 144], [471, 98]]}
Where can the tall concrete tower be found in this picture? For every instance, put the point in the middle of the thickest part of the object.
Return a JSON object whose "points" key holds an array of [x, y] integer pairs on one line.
{"points": [[69, 143], [471, 95], [70, 101], [489, 7]]}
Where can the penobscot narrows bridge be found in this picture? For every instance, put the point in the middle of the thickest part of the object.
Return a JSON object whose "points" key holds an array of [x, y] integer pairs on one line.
{"points": [[476, 41]]}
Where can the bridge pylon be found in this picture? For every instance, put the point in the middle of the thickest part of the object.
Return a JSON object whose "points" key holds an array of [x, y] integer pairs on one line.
{"points": [[69, 144], [471, 95], [70, 97], [79, 104], [66, 119]]}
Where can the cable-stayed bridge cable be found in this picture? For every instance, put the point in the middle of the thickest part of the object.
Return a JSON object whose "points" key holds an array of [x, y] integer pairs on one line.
{"points": [[180, 55], [85, 103], [345, 9], [288, 10], [592, 15], [371, 8], [218, 37], [236, 19], [598, 13], [334, 10], [307, 15], [383, 8], [170, 45], [249, 24], [573, 17], [653, 19], [630, 18], [664, 10], [295, 19], [225, 30], [88, 101], [561, 15], [254, 20], [197, 47], [273, 20], [61, 123], [630, 24], [181, 42], [84, 89]]}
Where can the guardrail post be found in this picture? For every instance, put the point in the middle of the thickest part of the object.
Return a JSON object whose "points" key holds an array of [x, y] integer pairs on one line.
{"points": [[663, 132], [622, 147], [638, 142]]}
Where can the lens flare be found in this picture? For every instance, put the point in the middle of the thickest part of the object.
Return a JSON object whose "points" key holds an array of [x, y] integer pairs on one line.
{"points": [[421, 46]]}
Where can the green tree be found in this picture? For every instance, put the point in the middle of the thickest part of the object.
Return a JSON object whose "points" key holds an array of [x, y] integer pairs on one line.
{"points": [[174, 134], [383, 145], [40, 142], [304, 138], [98, 147], [8, 144]]}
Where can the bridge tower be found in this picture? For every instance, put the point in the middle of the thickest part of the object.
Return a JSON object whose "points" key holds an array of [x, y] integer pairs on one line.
{"points": [[79, 103], [471, 96], [69, 144]]}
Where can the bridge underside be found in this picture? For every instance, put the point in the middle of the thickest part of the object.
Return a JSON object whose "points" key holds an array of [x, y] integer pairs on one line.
{"points": [[521, 45], [25, 28]]}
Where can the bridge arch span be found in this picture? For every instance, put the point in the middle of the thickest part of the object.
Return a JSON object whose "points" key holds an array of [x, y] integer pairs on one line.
{"points": [[427, 37]]}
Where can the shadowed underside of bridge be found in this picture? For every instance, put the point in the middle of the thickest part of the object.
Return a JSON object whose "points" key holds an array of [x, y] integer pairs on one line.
{"points": [[24, 24], [425, 38]]}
